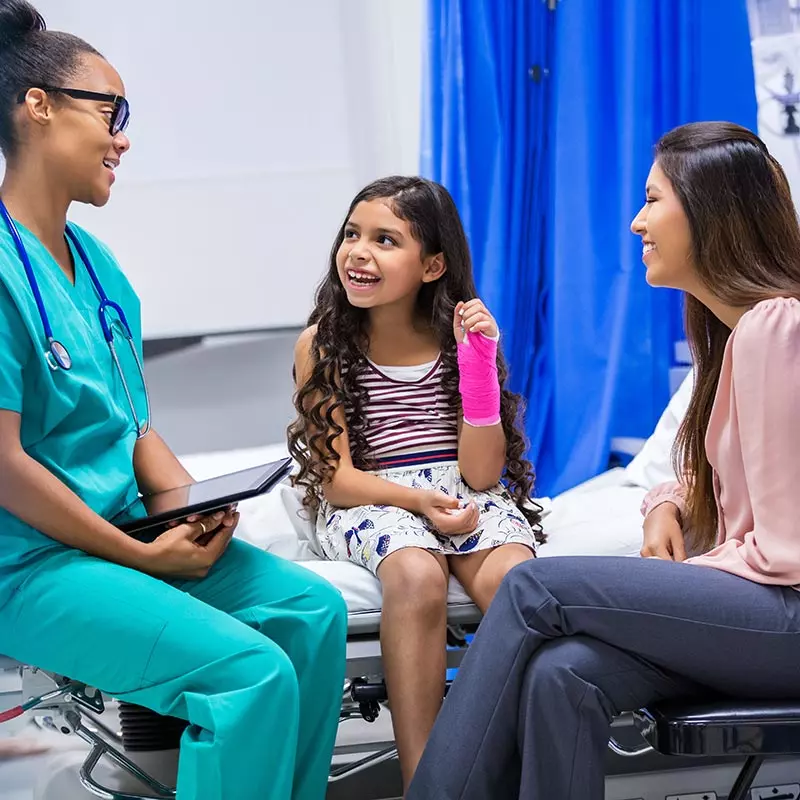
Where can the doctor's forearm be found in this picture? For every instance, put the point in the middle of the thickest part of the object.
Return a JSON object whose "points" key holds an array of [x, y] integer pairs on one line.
{"points": [[34, 495], [156, 467]]}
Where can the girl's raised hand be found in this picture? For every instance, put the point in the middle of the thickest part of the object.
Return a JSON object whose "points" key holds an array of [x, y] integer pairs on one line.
{"points": [[473, 317]]}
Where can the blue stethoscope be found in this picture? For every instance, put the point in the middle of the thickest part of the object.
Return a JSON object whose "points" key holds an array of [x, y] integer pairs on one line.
{"points": [[56, 355]]}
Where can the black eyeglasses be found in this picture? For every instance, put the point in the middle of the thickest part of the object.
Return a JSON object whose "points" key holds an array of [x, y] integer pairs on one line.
{"points": [[120, 117]]}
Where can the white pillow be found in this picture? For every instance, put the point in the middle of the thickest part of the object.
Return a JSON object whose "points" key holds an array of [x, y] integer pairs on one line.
{"points": [[653, 463], [209, 465]]}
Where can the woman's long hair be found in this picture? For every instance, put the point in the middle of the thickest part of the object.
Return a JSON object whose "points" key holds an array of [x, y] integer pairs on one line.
{"points": [[745, 249], [340, 346]]}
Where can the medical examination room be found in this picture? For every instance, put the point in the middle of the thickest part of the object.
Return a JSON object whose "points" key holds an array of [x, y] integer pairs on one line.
{"points": [[378, 416]]}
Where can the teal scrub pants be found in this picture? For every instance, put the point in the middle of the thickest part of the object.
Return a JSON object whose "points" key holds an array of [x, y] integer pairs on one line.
{"points": [[252, 656]]}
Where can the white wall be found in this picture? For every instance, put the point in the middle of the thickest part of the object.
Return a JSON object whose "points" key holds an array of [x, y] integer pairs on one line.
{"points": [[253, 124]]}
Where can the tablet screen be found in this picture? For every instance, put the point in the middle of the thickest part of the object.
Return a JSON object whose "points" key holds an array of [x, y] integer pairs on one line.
{"points": [[207, 495]]}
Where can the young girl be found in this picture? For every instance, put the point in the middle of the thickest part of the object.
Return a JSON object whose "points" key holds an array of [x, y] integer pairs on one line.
{"points": [[404, 431]]}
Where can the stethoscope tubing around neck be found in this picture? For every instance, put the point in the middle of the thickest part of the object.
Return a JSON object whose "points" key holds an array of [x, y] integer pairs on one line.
{"points": [[105, 305], [26, 263]]}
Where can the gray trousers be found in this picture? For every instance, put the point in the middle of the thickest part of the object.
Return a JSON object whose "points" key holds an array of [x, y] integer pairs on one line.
{"points": [[570, 642]]}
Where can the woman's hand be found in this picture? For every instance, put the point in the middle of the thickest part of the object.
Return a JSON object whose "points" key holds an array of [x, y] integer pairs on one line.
{"points": [[225, 517], [473, 317], [444, 513], [190, 549], [663, 535]]}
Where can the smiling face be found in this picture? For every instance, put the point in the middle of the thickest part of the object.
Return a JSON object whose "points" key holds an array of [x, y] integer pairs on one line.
{"points": [[73, 137], [666, 236], [379, 262]]}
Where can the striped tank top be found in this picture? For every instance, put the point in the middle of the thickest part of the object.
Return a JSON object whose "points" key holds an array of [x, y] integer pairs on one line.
{"points": [[409, 420]]}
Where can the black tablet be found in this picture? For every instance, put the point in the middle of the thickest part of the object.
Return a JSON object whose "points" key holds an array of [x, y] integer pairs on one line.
{"points": [[154, 511]]}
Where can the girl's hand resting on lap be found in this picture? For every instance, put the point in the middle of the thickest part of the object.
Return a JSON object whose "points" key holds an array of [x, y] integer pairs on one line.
{"points": [[444, 513]]}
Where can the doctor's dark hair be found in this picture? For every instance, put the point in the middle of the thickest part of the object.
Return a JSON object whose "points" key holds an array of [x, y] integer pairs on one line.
{"points": [[31, 56], [340, 347], [745, 249]]}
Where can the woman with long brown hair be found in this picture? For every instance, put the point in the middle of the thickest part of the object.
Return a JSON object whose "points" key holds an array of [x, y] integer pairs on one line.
{"points": [[568, 643]]}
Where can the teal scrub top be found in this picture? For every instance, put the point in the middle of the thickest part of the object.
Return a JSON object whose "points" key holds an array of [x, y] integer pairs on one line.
{"points": [[76, 423]]}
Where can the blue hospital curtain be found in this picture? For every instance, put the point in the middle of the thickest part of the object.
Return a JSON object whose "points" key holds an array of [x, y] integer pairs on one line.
{"points": [[485, 117], [540, 117]]}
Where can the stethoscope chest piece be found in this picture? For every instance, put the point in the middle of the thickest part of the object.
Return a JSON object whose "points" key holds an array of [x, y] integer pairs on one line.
{"points": [[58, 356]]}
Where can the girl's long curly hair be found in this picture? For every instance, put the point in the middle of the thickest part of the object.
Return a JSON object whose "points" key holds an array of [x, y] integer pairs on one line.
{"points": [[340, 346]]}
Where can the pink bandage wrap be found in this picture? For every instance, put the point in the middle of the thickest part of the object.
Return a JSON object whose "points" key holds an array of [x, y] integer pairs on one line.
{"points": [[478, 383]]}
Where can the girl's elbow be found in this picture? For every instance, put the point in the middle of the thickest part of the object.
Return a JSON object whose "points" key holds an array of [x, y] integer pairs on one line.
{"points": [[490, 483], [330, 493], [481, 480], [334, 490]]}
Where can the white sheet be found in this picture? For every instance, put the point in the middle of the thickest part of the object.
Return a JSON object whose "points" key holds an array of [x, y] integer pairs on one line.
{"points": [[600, 517]]}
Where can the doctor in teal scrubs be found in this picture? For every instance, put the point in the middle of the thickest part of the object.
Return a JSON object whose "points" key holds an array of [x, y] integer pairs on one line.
{"points": [[245, 646]]}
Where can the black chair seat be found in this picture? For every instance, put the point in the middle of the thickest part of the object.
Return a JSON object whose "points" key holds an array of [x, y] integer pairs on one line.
{"points": [[722, 727]]}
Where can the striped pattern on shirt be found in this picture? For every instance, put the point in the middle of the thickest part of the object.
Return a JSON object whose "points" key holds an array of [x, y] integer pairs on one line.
{"points": [[408, 422]]}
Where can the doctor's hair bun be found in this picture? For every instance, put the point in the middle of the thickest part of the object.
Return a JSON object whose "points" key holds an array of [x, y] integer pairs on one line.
{"points": [[18, 19], [31, 56]]}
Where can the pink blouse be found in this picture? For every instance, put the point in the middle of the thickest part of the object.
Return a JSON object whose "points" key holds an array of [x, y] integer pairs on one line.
{"points": [[753, 445]]}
